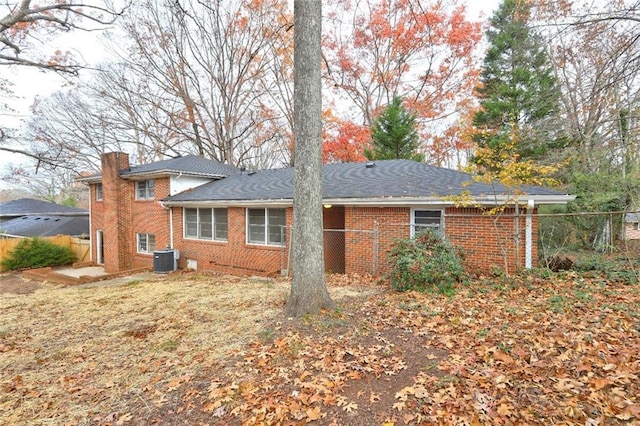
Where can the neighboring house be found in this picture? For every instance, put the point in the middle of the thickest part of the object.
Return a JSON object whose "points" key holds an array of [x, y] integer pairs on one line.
{"points": [[632, 226], [27, 217], [224, 219]]}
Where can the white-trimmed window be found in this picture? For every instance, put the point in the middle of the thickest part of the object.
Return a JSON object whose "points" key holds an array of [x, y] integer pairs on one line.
{"points": [[146, 243], [145, 189], [206, 224], [98, 192], [422, 220], [266, 226]]}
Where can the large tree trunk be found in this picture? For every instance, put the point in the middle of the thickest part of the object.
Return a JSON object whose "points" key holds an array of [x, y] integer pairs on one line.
{"points": [[308, 290]]}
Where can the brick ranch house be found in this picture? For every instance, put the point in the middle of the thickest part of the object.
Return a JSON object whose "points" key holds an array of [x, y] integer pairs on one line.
{"points": [[225, 219]]}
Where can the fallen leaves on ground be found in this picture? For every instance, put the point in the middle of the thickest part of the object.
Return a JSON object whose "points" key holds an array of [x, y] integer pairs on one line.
{"points": [[215, 350]]}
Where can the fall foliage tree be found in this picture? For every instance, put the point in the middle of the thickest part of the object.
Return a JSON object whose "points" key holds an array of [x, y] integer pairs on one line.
{"points": [[422, 51], [309, 291], [343, 141], [394, 134]]}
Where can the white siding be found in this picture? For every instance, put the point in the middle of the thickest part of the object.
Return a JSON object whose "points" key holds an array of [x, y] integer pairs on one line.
{"points": [[181, 183]]}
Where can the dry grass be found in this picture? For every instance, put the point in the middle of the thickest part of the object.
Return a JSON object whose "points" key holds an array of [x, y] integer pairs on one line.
{"points": [[71, 354]]}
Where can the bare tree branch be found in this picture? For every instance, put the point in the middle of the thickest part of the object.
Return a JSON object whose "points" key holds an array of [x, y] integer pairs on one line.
{"points": [[23, 20]]}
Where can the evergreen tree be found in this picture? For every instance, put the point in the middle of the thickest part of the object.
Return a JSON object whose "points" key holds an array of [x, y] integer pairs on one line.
{"points": [[394, 134], [519, 95]]}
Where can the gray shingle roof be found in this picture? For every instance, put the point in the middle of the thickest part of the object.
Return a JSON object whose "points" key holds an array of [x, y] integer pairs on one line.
{"points": [[46, 225], [189, 164], [387, 179], [30, 206]]}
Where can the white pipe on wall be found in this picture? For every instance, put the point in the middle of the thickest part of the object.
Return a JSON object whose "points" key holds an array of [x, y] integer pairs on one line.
{"points": [[529, 235]]}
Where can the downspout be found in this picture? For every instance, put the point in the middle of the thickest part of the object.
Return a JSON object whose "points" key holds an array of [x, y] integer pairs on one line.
{"points": [[92, 239], [529, 236], [164, 206]]}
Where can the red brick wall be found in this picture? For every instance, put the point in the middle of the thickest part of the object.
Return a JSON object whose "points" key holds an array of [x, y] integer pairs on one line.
{"points": [[116, 213], [488, 240], [484, 243], [149, 217], [234, 255], [97, 220], [391, 223], [120, 216]]}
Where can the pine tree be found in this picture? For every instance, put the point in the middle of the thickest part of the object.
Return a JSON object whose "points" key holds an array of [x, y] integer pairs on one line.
{"points": [[519, 95], [394, 134]]}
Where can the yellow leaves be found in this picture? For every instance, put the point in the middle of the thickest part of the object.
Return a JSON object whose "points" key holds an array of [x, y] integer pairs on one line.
{"points": [[350, 407], [399, 406], [125, 418], [566, 385], [174, 383], [313, 414], [505, 410], [599, 383], [630, 412], [418, 391]]}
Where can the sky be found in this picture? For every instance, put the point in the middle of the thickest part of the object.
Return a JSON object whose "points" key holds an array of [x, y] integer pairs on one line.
{"points": [[31, 83]]}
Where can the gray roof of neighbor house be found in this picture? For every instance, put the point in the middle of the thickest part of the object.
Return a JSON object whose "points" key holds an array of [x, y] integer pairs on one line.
{"points": [[380, 182], [30, 206], [632, 217], [190, 165], [46, 226]]}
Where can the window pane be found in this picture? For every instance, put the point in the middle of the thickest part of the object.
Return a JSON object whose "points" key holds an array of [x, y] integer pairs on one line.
{"points": [[99, 191], [256, 224], [150, 188], [424, 216], [206, 224], [221, 224], [277, 220], [141, 189], [191, 223], [146, 243], [427, 219]]}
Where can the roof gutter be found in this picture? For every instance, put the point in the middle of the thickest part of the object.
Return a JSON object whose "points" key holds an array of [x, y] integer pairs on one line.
{"points": [[385, 201]]}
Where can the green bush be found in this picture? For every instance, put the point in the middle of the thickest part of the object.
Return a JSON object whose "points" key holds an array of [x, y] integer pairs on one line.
{"points": [[37, 253], [425, 263], [609, 268]]}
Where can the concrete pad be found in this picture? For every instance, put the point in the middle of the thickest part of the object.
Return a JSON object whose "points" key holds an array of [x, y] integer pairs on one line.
{"points": [[90, 271]]}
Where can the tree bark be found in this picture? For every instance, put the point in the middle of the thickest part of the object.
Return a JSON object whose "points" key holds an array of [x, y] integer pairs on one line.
{"points": [[308, 289]]}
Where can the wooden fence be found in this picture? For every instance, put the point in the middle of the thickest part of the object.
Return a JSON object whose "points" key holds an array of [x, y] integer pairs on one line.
{"points": [[78, 246]]}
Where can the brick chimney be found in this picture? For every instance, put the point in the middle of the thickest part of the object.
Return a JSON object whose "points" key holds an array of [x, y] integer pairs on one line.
{"points": [[117, 194]]}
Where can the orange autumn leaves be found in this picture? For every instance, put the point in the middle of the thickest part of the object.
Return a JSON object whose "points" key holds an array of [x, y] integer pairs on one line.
{"points": [[418, 51]]}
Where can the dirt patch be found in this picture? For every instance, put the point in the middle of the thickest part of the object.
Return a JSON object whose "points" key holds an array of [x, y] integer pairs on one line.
{"points": [[12, 282]]}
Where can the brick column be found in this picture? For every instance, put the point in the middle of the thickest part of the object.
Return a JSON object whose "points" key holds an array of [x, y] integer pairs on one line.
{"points": [[117, 198]]}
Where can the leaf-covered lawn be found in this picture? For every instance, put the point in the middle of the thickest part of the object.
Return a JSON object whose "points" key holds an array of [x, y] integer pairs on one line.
{"points": [[195, 349]]}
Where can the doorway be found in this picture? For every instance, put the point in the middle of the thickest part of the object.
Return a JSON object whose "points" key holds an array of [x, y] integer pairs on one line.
{"points": [[100, 247]]}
